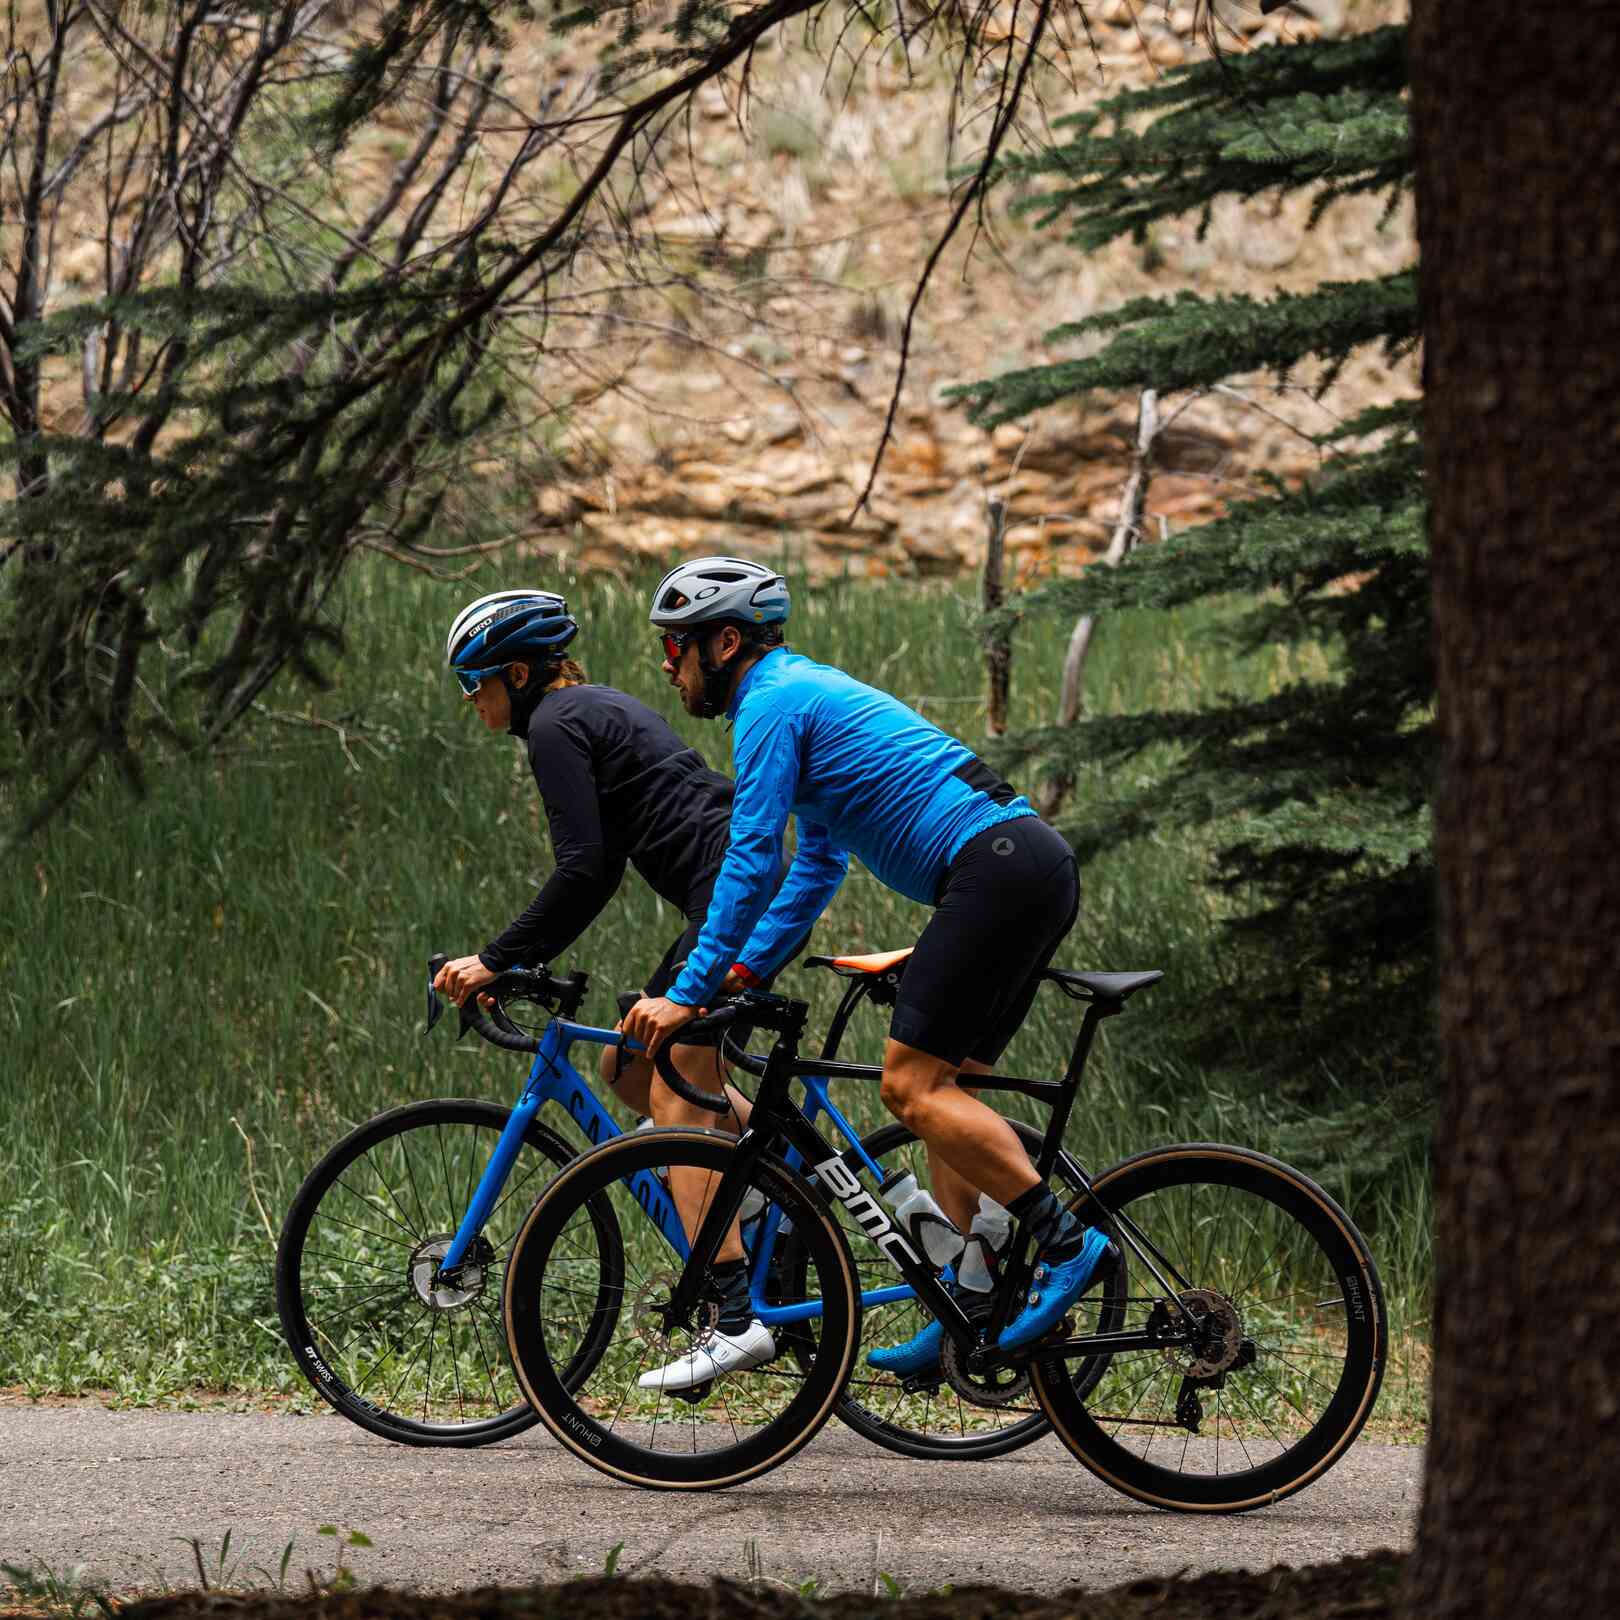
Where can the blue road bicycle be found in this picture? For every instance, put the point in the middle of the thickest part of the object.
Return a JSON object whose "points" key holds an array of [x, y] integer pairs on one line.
{"points": [[1229, 1350], [391, 1257]]}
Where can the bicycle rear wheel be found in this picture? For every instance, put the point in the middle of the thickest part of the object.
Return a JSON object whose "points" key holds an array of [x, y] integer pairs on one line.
{"points": [[926, 1416], [422, 1365], [1291, 1339], [732, 1429]]}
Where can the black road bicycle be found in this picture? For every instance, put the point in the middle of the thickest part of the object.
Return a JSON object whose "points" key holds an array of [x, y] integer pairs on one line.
{"points": [[1228, 1354]]}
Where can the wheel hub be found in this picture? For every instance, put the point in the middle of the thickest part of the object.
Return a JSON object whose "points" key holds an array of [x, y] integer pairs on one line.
{"points": [[650, 1316], [449, 1291]]}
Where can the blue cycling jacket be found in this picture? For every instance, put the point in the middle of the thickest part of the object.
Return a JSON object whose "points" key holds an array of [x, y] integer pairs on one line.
{"points": [[865, 775]]}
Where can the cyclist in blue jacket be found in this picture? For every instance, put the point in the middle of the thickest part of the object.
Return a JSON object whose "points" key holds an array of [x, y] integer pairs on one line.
{"points": [[867, 776]]}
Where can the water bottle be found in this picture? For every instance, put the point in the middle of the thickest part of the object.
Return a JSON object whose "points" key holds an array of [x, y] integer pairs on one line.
{"points": [[921, 1219], [986, 1239]]}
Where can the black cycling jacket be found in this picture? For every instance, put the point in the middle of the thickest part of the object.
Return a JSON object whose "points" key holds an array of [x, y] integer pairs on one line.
{"points": [[618, 785]]}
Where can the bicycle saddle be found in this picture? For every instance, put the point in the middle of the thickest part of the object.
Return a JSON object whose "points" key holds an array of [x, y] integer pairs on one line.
{"points": [[1101, 986], [848, 966]]}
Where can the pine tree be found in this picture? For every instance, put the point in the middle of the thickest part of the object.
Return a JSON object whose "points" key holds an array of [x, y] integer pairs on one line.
{"points": [[1315, 798]]}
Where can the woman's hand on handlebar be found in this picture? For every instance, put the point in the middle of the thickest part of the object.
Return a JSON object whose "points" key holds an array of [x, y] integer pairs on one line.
{"points": [[654, 1019], [459, 978]]}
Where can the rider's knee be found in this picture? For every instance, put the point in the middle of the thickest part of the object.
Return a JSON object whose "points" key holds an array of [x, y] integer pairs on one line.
{"points": [[629, 1083], [902, 1096]]}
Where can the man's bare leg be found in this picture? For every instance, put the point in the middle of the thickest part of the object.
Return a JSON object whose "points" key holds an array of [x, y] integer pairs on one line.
{"points": [[964, 1136], [955, 1194]]}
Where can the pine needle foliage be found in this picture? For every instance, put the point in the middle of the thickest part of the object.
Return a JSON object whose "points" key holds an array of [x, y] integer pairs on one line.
{"points": [[1313, 797], [269, 381]]}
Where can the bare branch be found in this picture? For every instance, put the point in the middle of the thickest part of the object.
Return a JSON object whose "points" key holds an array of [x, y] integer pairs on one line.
{"points": [[974, 187]]}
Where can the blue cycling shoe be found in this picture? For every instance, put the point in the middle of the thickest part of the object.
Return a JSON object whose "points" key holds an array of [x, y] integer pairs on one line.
{"points": [[1052, 1290], [918, 1356]]}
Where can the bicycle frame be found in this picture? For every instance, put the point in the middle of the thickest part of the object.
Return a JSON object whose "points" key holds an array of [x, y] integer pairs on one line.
{"points": [[554, 1079], [775, 1119]]}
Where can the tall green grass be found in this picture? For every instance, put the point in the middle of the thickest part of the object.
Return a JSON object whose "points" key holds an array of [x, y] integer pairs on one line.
{"points": [[205, 987]]}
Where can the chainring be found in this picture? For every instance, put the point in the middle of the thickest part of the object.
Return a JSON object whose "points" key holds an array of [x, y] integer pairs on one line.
{"points": [[997, 1387]]}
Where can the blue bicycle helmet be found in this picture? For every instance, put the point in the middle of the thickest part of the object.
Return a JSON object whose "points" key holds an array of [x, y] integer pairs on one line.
{"points": [[507, 627]]}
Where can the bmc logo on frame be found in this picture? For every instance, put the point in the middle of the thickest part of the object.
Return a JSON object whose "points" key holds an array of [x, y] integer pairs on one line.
{"points": [[869, 1214]]}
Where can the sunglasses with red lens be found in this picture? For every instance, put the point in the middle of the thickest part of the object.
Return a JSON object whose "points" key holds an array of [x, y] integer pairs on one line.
{"points": [[676, 644]]}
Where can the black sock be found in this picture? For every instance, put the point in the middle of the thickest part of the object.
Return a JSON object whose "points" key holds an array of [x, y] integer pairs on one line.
{"points": [[736, 1308], [1058, 1235]]}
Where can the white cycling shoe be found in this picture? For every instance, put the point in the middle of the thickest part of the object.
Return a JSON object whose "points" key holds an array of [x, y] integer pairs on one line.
{"points": [[716, 1354]]}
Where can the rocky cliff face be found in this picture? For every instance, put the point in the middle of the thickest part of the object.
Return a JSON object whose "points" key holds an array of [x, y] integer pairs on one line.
{"points": [[748, 423], [723, 361]]}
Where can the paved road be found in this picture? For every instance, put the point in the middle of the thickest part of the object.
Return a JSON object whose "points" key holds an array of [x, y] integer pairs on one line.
{"points": [[113, 1491]]}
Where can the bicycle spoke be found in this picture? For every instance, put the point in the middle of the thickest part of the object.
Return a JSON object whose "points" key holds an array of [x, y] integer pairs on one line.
{"points": [[376, 1208]]}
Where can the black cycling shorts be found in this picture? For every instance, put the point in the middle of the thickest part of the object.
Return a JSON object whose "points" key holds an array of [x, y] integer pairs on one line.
{"points": [[1009, 897]]}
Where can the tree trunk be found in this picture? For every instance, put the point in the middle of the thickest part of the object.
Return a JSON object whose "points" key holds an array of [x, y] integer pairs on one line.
{"points": [[1517, 129], [1051, 793]]}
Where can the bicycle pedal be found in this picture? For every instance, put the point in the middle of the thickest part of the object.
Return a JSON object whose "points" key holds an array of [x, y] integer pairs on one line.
{"points": [[922, 1384], [694, 1393]]}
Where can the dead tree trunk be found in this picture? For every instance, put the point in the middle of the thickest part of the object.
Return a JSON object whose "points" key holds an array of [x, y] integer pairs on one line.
{"points": [[997, 642], [1051, 793]]}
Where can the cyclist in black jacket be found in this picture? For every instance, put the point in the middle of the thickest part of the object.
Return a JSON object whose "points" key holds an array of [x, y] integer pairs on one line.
{"points": [[620, 788]]}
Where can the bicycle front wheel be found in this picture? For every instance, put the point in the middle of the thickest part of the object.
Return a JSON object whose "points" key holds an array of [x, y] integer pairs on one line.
{"points": [[740, 1423], [1289, 1339], [421, 1364]]}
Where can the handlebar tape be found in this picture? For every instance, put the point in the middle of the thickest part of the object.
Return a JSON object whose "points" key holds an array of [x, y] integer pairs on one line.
{"points": [[677, 1082]]}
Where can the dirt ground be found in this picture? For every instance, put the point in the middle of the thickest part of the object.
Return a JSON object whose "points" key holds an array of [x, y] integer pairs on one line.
{"points": [[1364, 1587]]}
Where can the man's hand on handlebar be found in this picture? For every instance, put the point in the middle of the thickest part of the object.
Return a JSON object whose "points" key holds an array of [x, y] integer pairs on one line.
{"points": [[654, 1019], [458, 979]]}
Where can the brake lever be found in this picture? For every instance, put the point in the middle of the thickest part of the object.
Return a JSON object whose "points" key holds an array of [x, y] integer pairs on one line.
{"points": [[435, 1006]]}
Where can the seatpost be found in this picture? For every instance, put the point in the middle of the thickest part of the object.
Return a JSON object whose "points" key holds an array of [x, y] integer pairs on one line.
{"points": [[1072, 1076], [851, 998]]}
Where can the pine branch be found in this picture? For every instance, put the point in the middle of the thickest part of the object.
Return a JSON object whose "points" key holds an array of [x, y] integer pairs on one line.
{"points": [[1189, 342]]}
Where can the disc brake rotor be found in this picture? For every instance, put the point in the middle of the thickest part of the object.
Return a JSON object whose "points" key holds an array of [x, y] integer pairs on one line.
{"points": [[452, 1293], [1217, 1340], [649, 1306]]}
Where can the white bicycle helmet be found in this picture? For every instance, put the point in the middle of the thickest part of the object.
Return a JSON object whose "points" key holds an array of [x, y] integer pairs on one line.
{"points": [[711, 588]]}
